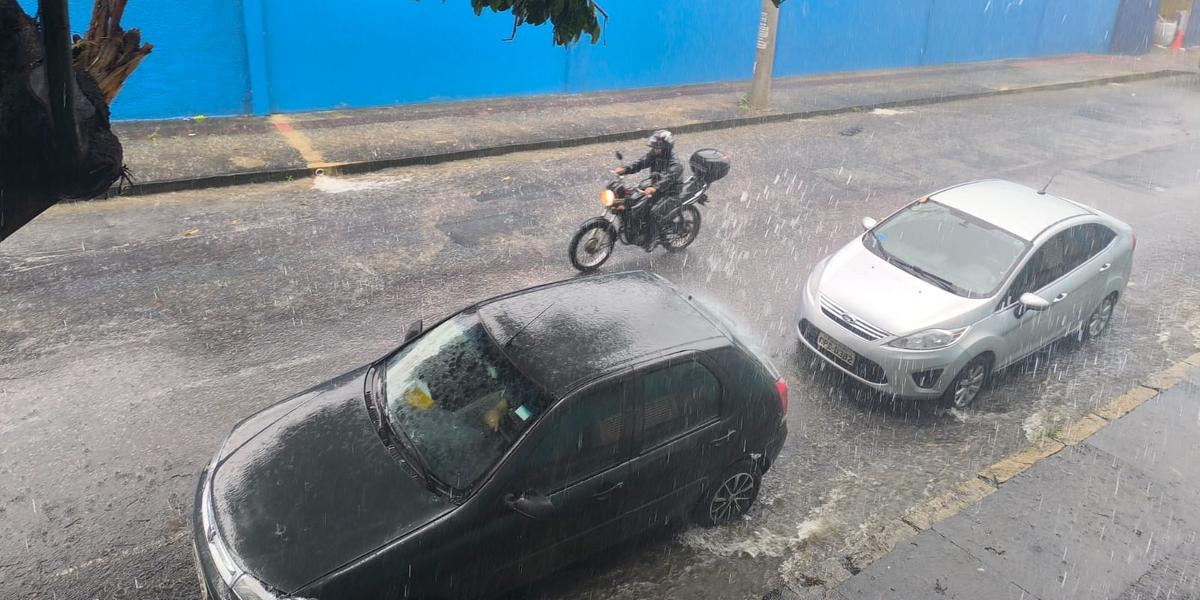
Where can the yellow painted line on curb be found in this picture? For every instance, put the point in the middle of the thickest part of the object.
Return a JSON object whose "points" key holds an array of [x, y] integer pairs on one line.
{"points": [[1082, 429], [1125, 403], [1017, 463], [297, 140], [936, 509], [1167, 378], [939, 508]]}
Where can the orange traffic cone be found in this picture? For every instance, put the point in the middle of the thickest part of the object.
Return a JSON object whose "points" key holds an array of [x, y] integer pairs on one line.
{"points": [[1177, 44]]}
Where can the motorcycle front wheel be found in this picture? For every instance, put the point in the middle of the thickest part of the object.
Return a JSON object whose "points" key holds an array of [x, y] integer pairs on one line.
{"points": [[682, 229], [592, 245]]}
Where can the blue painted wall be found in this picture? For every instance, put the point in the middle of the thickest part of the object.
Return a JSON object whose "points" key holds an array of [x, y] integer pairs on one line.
{"points": [[198, 65], [222, 57], [1077, 26], [817, 36], [667, 42], [373, 52]]}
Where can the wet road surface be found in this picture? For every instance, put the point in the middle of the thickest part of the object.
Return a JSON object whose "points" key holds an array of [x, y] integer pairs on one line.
{"points": [[135, 332]]}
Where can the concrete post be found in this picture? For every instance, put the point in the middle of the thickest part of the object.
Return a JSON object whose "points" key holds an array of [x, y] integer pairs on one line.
{"points": [[764, 59]]}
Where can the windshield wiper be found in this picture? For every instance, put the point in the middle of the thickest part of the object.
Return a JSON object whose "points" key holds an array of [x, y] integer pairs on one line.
{"points": [[939, 281], [395, 436]]}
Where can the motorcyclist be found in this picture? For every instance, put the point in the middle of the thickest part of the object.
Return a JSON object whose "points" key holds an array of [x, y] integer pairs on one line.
{"points": [[666, 175]]}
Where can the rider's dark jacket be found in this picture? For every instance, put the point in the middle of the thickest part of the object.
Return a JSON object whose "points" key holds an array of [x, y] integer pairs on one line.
{"points": [[665, 170]]}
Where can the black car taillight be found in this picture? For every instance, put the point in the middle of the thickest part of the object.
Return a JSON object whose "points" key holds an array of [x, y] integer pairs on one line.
{"points": [[781, 387]]}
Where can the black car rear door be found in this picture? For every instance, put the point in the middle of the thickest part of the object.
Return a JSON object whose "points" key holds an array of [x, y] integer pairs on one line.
{"points": [[684, 434]]}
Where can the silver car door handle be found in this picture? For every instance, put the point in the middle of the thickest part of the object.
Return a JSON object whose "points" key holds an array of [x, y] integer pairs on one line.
{"points": [[1060, 297], [1105, 267]]}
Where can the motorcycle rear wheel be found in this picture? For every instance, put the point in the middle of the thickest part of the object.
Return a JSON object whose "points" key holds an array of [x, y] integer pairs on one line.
{"points": [[592, 245], [682, 230]]}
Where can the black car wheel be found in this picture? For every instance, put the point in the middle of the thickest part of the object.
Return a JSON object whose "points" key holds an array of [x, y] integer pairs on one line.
{"points": [[731, 496], [965, 387], [1098, 322]]}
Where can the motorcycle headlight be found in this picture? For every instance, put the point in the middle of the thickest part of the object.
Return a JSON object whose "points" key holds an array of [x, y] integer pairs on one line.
{"points": [[607, 198], [930, 339]]}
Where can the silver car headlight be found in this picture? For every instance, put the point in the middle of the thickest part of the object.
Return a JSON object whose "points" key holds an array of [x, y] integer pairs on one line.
{"points": [[930, 339]]}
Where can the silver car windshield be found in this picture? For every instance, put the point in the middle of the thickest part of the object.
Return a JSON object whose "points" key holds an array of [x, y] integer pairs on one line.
{"points": [[459, 400], [948, 248]]}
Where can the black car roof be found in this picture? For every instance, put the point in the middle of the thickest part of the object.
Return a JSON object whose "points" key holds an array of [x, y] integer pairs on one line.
{"points": [[592, 326]]}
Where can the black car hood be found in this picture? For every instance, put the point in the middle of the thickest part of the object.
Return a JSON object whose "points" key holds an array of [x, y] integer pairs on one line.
{"points": [[307, 486]]}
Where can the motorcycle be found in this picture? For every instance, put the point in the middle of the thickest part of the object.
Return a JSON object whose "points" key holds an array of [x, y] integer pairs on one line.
{"points": [[630, 218]]}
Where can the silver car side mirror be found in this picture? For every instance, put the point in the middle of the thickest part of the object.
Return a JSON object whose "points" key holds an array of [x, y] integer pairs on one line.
{"points": [[869, 223], [1034, 302]]}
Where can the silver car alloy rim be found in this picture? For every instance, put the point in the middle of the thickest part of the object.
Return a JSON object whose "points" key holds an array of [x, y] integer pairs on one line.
{"points": [[732, 499], [969, 385], [595, 246], [1100, 318]]}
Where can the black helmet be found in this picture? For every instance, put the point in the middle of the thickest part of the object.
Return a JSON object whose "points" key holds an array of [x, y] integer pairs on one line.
{"points": [[662, 140]]}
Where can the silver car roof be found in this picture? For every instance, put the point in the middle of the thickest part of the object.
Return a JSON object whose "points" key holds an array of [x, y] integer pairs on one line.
{"points": [[1013, 207]]}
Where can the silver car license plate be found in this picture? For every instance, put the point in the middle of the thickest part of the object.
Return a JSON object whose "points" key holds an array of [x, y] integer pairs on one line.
{"points": [[836, 348]]}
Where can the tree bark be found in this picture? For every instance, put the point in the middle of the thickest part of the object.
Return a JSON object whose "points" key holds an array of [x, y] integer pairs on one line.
{"points": [[55, 137]]}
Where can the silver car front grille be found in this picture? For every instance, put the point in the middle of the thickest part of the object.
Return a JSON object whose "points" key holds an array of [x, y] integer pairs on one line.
{"points": [[851, 323]]}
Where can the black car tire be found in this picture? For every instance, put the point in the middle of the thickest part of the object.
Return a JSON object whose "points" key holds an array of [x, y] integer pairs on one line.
{"points": [[730, 495], [1097, 322], [974, 374]]}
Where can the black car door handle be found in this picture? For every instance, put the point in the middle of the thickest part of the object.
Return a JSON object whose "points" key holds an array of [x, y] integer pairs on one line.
{"points": [[607, 492], [1060, 297], [1105, 267], [724, 438]]}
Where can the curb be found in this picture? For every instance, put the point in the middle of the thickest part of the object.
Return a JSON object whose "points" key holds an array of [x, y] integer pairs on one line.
{"points": [[989, 480], [350, 168]]}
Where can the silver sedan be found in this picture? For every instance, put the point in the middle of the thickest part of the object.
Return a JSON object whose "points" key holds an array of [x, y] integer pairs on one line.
{"points": [[965, 281]]}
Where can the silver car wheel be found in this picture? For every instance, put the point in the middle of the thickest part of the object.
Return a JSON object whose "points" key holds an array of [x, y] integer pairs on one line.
{"points": [[968, 386], [732, 499], [1101, 318]]}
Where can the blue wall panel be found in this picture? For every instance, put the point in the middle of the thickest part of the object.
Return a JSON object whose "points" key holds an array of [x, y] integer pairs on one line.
{"points": [[972, 30], [198, 65], [840, 35], [1077, 26], [660, 42], [375, 52], [219, 57]]}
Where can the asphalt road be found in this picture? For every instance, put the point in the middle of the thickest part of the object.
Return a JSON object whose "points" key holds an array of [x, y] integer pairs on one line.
{"points": [[135, 332]]}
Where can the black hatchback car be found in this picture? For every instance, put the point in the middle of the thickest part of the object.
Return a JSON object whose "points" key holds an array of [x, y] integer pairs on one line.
{"points": [[509, 440]]}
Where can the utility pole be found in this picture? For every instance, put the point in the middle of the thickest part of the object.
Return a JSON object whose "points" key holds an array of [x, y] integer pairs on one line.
{"points": [[764, 58]]}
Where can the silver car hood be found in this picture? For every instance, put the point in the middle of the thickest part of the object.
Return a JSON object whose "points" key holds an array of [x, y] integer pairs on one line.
{"points": [[882, 295]]}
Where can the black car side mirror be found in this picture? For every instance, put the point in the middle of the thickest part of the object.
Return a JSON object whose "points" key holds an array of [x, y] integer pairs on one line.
{"points": [[414, 329], [532, 505]]}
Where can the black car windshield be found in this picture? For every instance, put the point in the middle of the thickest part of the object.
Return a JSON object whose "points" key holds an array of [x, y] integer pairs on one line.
{"points": [[459, 400], [948, 248]]}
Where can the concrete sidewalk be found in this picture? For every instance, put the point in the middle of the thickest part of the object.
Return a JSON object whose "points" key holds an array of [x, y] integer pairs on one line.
{"points": [[1112, 516], [208, 152]]}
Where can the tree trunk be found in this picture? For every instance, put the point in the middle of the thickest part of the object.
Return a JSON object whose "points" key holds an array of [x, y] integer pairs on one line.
{"points": [[55, 137]]}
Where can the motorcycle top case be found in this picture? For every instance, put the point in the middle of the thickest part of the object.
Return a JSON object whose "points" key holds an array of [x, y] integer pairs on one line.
{"points": [[710, 164]]}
